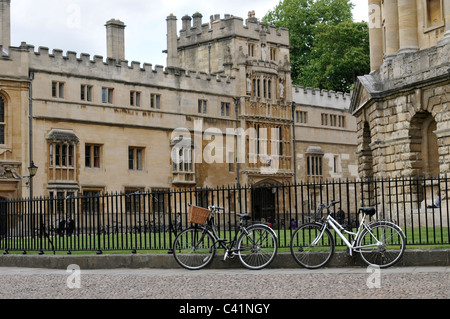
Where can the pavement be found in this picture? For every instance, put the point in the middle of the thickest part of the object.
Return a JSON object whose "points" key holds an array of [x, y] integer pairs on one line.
{"points": [[421, 275], [279, 288]]}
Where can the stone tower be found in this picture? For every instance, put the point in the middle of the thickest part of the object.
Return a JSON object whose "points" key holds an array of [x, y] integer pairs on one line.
{"points": [[5, 23], [256, 57]]}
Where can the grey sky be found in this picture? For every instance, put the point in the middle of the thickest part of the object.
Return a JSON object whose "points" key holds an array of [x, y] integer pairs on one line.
{"points": [[78, 25]]}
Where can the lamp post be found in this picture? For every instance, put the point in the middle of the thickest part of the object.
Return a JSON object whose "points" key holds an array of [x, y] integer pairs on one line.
{"points": [[32, 170]]}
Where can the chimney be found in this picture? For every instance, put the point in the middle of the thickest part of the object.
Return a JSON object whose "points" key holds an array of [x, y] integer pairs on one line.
{"points": [[115, 39], [172, 42], [5, 24], [197, 20]]}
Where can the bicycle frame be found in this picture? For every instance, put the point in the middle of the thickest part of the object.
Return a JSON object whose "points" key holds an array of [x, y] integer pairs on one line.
{"points": [[211, 227], [340, 230], [228, 246]]}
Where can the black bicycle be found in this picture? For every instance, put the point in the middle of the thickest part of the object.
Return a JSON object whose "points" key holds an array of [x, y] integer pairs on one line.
{"points": [[194, 248]]}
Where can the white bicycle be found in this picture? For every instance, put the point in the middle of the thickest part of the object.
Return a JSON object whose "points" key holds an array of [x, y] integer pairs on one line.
{"points": [[379, 243]]}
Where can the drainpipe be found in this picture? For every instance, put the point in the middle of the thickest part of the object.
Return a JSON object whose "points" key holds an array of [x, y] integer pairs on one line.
{"points": [[30, 129], [237, 102], [295, 159], [294, 139]]}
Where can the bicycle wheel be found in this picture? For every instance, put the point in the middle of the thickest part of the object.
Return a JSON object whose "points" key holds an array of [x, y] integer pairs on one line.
{"points": [[194, 248], [312, 247], [258, 247], [382, 245]]}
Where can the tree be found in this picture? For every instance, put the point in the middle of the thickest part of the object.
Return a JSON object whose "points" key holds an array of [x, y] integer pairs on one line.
{"points": [[339, 54], [308, 22]]}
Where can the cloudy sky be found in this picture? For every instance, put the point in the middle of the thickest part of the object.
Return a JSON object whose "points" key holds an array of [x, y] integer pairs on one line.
{"points": [[78, 25]]}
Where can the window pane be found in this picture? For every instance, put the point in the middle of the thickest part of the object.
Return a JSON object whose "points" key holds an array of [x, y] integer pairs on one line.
{"points": [[58, 155], [131, 159], [110, 96], [87, 156], [89, 93], [104, 95], [2, 134], [70, 155], [139, 160], [97, 156], [64, 155], [61, 90], [2, 110], [54, 89], [51, 155]]}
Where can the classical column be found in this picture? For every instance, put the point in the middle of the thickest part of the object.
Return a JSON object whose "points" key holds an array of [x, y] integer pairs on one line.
{"points": [[447, 20], [391, 27], [407, 13], [375, 35]]}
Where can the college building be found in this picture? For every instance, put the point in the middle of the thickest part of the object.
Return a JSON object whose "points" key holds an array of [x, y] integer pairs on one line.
{"points": [[222, 112]]}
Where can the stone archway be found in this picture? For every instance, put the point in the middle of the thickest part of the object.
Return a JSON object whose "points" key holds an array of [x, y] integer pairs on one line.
{"points": [[424, 145]]}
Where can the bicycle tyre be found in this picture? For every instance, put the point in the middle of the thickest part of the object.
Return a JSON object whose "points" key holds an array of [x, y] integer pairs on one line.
{"points": [[385, 247], [257, 247], [194, 248], [308, 255]]}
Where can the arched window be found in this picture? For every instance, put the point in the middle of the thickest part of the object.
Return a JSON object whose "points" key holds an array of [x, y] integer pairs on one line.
{"points": [[2, 121]]}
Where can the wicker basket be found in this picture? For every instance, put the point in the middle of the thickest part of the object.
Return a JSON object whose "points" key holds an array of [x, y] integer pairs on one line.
{"points": [[198, 215]]}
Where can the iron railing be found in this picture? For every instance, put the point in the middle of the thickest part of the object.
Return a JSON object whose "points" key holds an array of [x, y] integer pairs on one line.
{"points": [[150, 221]]}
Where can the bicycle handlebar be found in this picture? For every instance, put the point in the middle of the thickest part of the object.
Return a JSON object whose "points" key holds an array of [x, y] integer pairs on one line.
{"points": [[216, 208], [333, 203]]}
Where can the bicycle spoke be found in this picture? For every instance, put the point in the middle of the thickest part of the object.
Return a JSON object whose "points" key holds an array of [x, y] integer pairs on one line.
{"points": [[194, 249], [258, 248], [382, 245], [312, 247]]}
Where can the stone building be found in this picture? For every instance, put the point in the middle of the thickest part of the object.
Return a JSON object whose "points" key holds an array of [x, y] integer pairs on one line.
{"points": [[402, 106], [325, 139], [221, 113]]}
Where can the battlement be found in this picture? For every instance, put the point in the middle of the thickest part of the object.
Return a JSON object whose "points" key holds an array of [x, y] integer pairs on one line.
{"points": [[322, 98], [83, 65], [194, 31]]}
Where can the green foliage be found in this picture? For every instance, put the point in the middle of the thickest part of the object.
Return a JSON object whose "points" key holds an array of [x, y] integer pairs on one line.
{"points": [[328, 49], [340, 53]]}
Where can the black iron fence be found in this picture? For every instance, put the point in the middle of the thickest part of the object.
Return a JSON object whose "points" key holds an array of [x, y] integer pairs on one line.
{"points": [[150, 221]]}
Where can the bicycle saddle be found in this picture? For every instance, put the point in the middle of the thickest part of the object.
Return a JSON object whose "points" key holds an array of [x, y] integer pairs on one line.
{"points": [[368, 211], [244, 216]]}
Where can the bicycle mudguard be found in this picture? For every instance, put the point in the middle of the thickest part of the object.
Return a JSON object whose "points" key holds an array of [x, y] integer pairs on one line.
{"points": [[386, 222], [264, 226]]}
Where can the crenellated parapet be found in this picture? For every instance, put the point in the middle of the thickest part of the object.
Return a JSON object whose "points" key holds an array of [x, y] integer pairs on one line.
{"points": [[195, 32], [123, 71], [322, 98]]}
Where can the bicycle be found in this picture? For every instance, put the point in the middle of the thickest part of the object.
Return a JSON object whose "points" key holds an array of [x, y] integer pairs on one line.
{"points": [[195, 247], [379, 243]]}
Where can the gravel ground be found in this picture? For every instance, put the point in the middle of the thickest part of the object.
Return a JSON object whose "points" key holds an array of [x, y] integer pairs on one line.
{"points": [[410, 283]]}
